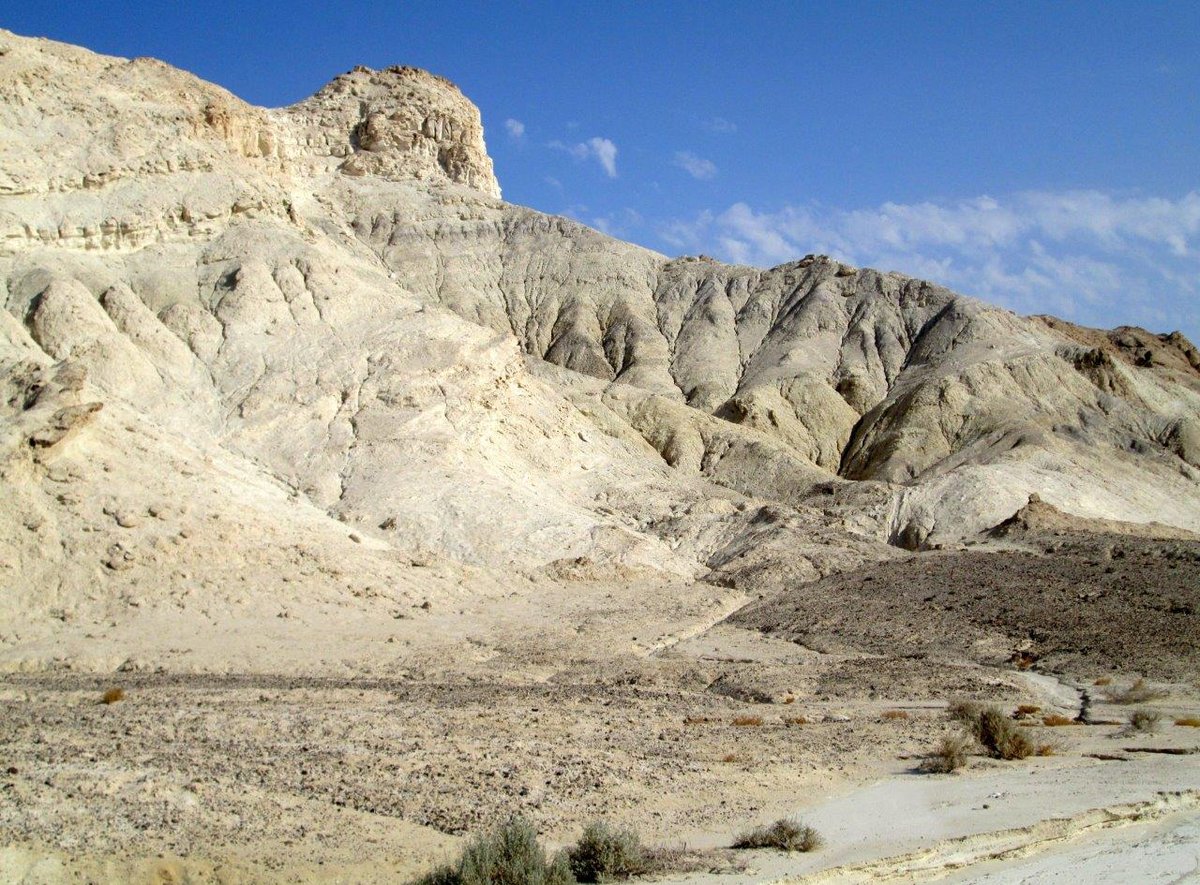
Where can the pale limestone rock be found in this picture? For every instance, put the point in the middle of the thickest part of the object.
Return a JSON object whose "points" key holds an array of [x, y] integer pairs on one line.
{"points": [[319, 321]]}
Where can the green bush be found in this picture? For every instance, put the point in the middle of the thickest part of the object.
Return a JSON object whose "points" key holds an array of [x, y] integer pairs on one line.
{"points": [[603, 854], [784, 834], [509, 855]]}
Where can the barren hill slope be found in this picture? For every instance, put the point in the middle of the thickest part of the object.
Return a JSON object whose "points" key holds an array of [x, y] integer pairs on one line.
{"points": [[333, 296]]}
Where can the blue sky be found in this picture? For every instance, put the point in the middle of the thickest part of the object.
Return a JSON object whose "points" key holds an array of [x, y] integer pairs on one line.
{"points": [[1045, 156]]}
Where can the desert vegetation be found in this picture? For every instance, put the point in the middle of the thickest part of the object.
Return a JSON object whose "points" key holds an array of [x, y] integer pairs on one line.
{"points": [[1054, 720], [747, 721], [1144, 720], [604, 854], [112, 696], [509, 855], [1138, 692], [993, 730], [949, 756], [783, 835]]}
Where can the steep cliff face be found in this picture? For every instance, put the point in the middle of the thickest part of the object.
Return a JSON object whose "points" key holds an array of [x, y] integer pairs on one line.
{"points": [[330, 301]]}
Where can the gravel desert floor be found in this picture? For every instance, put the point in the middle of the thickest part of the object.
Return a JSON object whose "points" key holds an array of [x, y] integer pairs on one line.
{"points": [[673, 719]]}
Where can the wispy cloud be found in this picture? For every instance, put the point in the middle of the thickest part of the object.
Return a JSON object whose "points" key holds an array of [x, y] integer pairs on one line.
{"points": [[515, 129], [719, 126], [697, 167], [602, 150], [1086, 254]]}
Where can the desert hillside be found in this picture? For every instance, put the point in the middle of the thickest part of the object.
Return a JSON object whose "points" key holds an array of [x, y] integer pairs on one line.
{"points": [[328, 455]]}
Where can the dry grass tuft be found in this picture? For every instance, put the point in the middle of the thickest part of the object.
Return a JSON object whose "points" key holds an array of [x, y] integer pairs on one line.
{"points": [[1103, 680], [791, 721], [789, 700], [1054, 720], [784, 835], [747, 721], [1144, 720], [112, 696], [949, 756], [1026, 710], [1046, 750], [697, 720], [1138, 693], [731, 757], [1188, 721], [895, 714]]}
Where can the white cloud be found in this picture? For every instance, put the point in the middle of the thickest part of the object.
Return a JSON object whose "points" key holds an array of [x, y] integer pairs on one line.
{"points": [[1094, 256], [515, 129], [697, 167], [602, 150], [605, 153], [719, 126]]}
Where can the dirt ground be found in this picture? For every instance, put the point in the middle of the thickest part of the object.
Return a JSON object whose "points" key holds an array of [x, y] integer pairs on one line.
{"points": [[672, 718]]}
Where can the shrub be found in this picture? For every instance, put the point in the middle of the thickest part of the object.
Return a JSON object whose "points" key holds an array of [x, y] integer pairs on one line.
{"points": [[509, 855], [949, 756], [1137, 693], [996, 732], [1026, 710], [794, 720], [747, 721], [895, 714], [1144, 720], [112, 696], [603, 854], [1046, 750], [784, 835], [965, 712], [1054, 720], [1189, 721]]}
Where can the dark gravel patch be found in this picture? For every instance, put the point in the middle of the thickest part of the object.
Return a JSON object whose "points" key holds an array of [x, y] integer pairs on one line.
{"points": [[1076, 602]]}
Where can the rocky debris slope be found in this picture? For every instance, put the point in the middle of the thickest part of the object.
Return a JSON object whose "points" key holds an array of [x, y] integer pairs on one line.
{"points": [[322, 320], [1072, 595]]}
